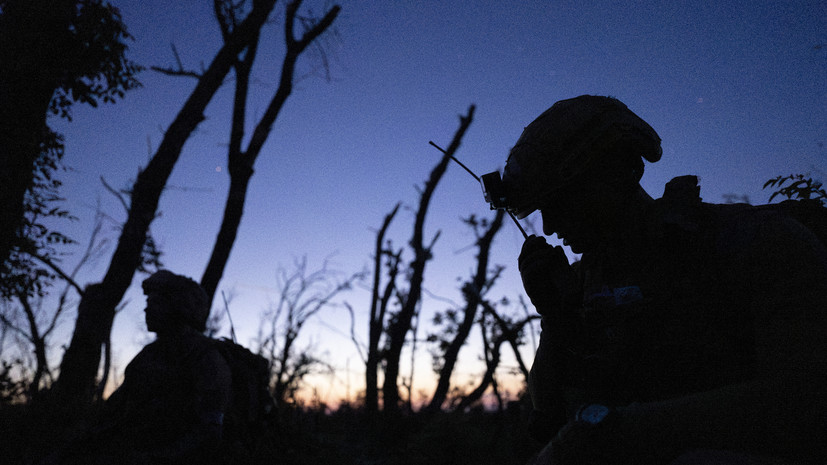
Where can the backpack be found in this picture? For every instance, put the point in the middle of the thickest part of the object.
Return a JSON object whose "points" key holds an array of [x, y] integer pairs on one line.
{"points": [[810, 213], [252, 409], [681, 197]]}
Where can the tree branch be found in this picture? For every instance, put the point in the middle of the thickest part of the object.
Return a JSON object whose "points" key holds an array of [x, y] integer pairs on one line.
{"points": [[359, 346], [176, 72], [180, 71], [46, 261]]}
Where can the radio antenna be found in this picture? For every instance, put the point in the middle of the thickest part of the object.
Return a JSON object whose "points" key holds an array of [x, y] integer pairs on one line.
{"points": [[478, 180], [458, 162]]}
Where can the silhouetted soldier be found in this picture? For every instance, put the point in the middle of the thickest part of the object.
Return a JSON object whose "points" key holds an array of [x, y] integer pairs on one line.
{"points": [[689, 332], [171, 405]]}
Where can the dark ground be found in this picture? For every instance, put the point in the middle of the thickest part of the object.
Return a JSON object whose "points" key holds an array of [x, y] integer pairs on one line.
{"points": [[29, 433]]}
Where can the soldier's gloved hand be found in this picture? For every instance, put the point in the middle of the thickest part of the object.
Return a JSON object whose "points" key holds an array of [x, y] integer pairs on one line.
{"points": [[546, 273]]}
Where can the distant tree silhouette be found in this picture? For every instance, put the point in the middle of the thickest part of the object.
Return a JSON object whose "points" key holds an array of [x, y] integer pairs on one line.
{"points": [[302, 295], [473, 292], [400, 322], [496, 330], [380, 299]]}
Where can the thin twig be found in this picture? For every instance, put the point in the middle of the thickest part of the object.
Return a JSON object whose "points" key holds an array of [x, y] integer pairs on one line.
{"points": [[229, 317], [177, 72], [57, 270]]}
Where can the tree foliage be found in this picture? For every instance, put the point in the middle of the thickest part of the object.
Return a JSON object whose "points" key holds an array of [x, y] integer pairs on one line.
{"points": [[95, 69], [54, 54], [24, 271], [800, 187]]}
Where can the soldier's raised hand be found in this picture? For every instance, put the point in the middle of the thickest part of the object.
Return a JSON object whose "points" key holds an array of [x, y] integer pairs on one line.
{"points": [[546, 274]]}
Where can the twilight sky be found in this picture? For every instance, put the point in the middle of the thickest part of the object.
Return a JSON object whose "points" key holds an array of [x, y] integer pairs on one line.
{"points": [[736, 90]]}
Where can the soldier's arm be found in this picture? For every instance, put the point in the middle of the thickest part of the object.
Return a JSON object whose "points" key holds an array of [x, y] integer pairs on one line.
{"points": [[555, 290], [783, 409], [550, 373]]}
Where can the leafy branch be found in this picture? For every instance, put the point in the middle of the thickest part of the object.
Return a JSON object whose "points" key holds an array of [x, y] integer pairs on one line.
{"points": [[801, 187]]}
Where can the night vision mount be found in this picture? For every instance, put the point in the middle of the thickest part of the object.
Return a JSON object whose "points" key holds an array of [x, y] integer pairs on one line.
{"points": [[494, 190]]}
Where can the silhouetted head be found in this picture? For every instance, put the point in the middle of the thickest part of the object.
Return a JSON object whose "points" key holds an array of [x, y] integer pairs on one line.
{"points": [[174, 301], [578, 163]]}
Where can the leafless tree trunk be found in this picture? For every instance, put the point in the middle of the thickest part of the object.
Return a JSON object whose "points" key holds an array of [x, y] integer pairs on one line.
{"points": [[96, 310], [408, 381], [473, 294], [240, 162], [401, 323], [378, 310]]}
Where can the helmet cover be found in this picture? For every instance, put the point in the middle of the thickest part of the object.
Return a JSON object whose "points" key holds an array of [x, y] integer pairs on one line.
{"points": [[188, 297], [571, 136]]}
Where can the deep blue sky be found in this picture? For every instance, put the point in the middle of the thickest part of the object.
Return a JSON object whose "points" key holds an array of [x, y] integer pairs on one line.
{"points": [[736, 90]]}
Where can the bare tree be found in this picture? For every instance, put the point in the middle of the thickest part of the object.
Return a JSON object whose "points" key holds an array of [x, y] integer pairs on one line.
{"points": [[240, 161], [379, 309], [473, 292], [302, 295], [96, 310], [400, 323]]}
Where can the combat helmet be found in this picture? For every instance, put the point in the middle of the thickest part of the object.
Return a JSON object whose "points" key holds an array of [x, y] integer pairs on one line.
{"points": [[569, 138], [187, 296]]}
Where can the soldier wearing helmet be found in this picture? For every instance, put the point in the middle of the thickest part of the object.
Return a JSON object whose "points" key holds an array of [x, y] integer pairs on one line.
{"points": [[171, 405], [174, 303], [688, 332]]}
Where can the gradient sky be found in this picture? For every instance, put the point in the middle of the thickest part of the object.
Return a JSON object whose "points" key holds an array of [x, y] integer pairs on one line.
{"points": [[736, 90]]}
